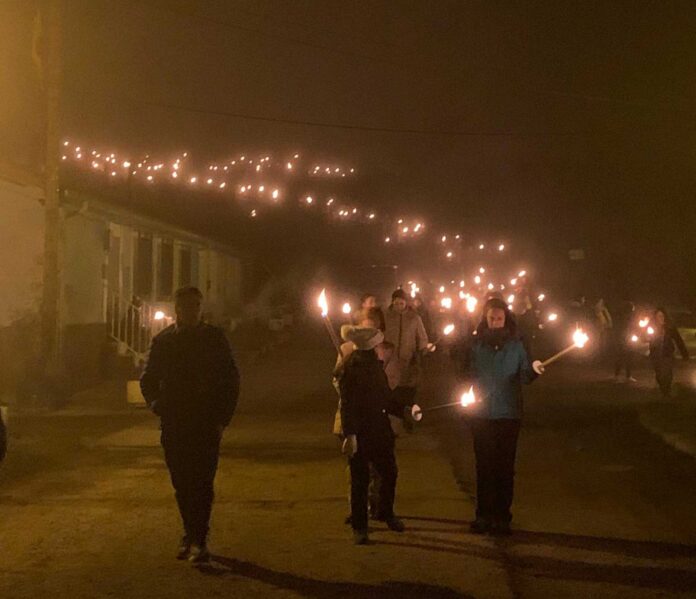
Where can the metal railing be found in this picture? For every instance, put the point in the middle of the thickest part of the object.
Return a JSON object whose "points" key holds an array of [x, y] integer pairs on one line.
{"points": [[133, 326]]}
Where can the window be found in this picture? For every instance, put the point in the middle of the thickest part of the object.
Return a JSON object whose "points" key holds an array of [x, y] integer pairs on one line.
{"points": [[165, 282]]}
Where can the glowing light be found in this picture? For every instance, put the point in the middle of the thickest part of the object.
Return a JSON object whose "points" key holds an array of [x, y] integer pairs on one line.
{"points": [[126, 164], [580, 338], [66, 143], [511, 298], [371, 216], [461, 283], [309, 199], [323, 303], [643, 322], [446, 303], [634, 338], [482, 246], [467, 397], [553, 317], [444, 238], [222, 185], [346, 309], [482, 270], [477, 280], [501, 247], [175, 175], [209, 181], [150, 178], [450, 254], [253, 214], [471, 303], [448, 330], [193, 179], [651, 331], [404, 230], [159, 315], [513, 281], [462, 295], [522, 273], [387, 239], [541, 297], [275, 194], [289, 166], [442, 289]]}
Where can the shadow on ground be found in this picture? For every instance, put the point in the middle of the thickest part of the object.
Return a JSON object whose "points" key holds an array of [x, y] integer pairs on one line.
{"points": [[324, 589]]}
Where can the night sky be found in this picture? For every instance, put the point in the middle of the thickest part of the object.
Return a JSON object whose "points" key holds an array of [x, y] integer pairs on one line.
{"points": [[566, 124]]}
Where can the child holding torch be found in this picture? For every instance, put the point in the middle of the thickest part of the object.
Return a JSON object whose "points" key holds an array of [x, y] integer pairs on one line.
{"points": [[496, 362], [366, 401]]}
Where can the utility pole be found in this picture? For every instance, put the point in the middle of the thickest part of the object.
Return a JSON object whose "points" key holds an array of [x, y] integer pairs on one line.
{"points": [[50, 309]]}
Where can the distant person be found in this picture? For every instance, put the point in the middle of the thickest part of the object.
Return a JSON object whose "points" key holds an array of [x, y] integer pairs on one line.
{"points": [[623, 323], [366, 401], [604, 325], [527, 321], [192, 383], [578, 313], [421, 308], [663, 346], [368, 301], [404, 329], [496, 363]]}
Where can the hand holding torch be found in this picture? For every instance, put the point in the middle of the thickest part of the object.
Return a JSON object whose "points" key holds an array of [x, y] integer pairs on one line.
{"points": [[466, 399], [580, 339]]}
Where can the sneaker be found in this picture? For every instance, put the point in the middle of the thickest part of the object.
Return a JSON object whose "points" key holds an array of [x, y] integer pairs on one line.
{"points": [[184, 548], [199, 554], [360, 537], [480, 526], [395, 524]]}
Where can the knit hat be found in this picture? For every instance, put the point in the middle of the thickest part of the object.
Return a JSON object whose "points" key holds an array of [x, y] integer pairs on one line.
{"points": [[364, 338]]}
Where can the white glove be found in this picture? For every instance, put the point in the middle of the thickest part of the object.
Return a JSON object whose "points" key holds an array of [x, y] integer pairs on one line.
{"points": [[538, 367], [350, 446], [416, 413]]}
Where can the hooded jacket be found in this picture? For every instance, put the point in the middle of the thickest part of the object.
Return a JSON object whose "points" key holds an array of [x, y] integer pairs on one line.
{"points": [[496, 362], [366, 399]]}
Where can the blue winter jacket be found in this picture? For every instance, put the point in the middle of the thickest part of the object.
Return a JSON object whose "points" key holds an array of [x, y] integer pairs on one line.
{"points": [[497, 373]]}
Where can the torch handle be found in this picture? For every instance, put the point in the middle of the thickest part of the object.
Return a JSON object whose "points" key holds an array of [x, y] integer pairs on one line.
{"points": [[332, 334], [560, 354], [439, 407]]}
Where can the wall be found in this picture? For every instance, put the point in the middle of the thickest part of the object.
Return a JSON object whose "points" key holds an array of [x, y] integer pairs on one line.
{"points": [[21, 255]]}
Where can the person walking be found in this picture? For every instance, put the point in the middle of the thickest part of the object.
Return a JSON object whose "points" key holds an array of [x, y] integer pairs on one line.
{"points": [[191, 382], [366, 401], [663, 346], [604, 324], [621, 332], [496, 364], [404, 329]]}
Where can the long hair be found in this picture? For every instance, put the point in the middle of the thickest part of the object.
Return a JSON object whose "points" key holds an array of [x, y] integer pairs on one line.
{"points": [[510, 322]]}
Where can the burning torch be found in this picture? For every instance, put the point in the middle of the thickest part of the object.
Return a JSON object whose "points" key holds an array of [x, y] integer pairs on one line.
{"points": [[580, 339], [323, 303], [446, 332], [466, 399]]}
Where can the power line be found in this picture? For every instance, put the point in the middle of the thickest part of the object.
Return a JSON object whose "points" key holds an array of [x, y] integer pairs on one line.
{"points": [[355, 127]]}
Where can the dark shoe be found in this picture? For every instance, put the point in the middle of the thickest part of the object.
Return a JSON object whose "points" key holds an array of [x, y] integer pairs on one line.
{"points": [[480, 526], [184, 548], [199, 554], [349, 520], [360, 537], [378, 517], [501, 529], [395, 524]]}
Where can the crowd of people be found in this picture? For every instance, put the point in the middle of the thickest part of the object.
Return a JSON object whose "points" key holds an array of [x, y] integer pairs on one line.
{"points": [[191, 382]]}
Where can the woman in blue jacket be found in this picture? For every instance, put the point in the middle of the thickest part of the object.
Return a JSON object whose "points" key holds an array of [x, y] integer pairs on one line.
{"points": [[496, 362]]}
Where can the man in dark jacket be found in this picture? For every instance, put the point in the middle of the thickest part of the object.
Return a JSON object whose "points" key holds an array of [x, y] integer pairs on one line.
{"points": [[496, 363], [192, 383], [663, 345], [366, 399]]}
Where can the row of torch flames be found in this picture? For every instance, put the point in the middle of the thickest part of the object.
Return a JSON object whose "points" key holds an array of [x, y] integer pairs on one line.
{"points": [[467, 397], [258, 179]]}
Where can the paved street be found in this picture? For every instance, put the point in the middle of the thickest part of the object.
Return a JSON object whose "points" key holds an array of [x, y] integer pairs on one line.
{"points": [[602, 508]]}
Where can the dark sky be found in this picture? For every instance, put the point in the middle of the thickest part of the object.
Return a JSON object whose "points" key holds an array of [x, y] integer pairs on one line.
{"points": [[570, 123]]}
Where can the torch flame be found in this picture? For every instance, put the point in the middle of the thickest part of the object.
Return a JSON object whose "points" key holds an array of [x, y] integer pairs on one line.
{"points": [[643, 322], [346, 308], [448, 330], [580, 338], [471, 303], [323, 303], [467, 397]]}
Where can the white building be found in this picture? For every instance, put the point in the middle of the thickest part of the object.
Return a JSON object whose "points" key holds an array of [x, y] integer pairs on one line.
{"points": [[109, 256]]}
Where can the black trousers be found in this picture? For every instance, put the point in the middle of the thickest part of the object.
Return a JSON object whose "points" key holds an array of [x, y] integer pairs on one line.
{"points": [[192, 459], [378, 454], [664, 374], [623, 359], [495, 447]]}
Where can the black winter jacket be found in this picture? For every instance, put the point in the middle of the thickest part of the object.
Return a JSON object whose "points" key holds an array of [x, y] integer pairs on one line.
{"points": [[366, 399], [191, 378], [665, 345]]}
